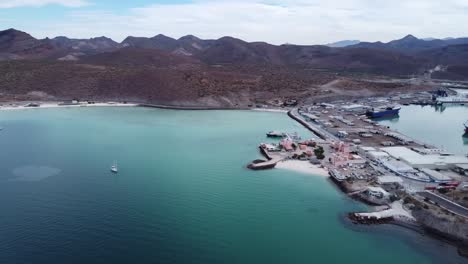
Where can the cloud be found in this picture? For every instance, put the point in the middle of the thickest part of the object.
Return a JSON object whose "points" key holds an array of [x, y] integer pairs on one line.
{"points": [[274, 21], [39, 3]]}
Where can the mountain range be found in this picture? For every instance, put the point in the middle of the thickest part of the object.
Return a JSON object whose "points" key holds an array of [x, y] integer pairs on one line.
{"points": [[190, 70]]}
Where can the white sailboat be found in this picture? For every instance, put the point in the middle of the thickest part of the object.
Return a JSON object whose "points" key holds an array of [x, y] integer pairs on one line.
{"points": [[114, 168]]}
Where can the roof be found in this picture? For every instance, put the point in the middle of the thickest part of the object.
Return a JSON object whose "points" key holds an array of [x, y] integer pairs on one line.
{"points": [[398, 166], [378, 154], [462, 166], [415, 158], [368, 148], [353, 106], [435, 175], [377, 189], [389, 179]]}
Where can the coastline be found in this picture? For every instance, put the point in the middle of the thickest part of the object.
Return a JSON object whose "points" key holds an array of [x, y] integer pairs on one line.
{"points": [[20, 105], [293, 165], [303, 167], [49, 105]]}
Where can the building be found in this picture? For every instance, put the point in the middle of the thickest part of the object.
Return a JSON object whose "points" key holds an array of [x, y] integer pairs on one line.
{"points": [[388, 179], [397, 166], [436, 176], [377, 155], [355, 108], [287, 144], [462, 169], [429, 161], [377, 192]]}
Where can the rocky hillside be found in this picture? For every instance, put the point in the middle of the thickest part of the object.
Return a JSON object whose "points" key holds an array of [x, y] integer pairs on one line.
{"points": [[189, 70]]}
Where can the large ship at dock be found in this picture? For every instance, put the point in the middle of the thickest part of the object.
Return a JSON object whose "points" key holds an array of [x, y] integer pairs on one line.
{"points": [[387, 111]]}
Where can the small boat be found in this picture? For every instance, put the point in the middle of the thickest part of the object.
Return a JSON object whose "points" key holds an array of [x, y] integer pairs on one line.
{"points": [[276, 134], [114, 168], [466, 127]]}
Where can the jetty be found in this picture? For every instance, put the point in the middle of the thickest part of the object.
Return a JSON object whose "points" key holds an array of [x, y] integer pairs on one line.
{"points": [[263, 165], [294, 114]]}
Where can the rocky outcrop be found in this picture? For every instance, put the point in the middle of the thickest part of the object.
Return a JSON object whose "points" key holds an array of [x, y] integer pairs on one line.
{"points": [[445, 224]]}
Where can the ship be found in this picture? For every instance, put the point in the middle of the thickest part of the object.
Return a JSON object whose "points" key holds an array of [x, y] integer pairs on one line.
{"points": [[276, 134], [387, 111], [114, 168], [466, 127]]}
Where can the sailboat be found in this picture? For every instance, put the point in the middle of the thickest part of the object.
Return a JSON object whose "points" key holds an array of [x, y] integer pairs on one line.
{"points": [[114, 168]]}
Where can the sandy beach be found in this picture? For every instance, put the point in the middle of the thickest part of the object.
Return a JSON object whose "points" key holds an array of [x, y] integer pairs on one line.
{"points": [[302, 167], [273, 110], [22, 106]]}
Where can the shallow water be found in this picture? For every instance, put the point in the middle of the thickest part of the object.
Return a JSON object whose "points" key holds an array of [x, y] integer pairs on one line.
{"points": [[182, 195]]}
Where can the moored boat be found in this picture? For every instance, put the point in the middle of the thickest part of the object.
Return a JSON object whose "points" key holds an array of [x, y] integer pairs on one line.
{"points": [[276, 134], [388, 111]]}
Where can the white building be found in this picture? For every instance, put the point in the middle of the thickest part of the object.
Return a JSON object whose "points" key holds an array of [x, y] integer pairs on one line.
{"points": [[429, 161], [356, 108]]}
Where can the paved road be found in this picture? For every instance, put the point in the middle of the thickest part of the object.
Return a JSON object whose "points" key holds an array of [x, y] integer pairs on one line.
{"points": [[445, 203], [323, 133]]}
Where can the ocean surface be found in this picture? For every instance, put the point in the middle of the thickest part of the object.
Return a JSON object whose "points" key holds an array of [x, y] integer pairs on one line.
{"points": [[182, 195], [441, 126]]}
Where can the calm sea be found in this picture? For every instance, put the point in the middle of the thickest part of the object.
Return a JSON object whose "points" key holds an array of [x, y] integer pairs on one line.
{"points": [[441, 126], [182, 195]]}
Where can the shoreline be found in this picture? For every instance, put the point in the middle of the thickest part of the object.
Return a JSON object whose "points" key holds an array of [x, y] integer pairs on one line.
{"points": [[303, 167], [21, 105], [50, 105]]}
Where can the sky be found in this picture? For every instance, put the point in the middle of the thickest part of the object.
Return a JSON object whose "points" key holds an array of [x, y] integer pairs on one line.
{"points": [[273, 21]]}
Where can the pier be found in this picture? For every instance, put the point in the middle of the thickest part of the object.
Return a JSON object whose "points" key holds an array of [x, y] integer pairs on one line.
{"points": [[294, 114]]}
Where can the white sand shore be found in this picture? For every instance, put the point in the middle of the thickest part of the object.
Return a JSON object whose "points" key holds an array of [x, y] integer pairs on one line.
{"points": [[270, 110], [303, 167], [21, 106]]}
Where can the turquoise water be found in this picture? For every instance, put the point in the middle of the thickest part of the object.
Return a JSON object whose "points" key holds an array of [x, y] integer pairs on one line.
{"points": [[441, 126], [182, 194]]}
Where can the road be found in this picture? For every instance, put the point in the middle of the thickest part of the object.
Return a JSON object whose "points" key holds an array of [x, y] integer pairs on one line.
{"points": [[445, 203], [316, 129]]}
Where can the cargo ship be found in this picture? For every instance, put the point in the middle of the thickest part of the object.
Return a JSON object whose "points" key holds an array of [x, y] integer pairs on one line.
{"points": [[387, 111]]}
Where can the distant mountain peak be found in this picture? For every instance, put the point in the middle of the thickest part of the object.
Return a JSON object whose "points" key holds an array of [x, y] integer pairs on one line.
{"points": [[410, 37], [14, 32], [189, 37], [162, 37], [343, 43]]}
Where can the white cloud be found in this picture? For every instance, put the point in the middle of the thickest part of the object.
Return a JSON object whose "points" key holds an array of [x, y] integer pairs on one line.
{"points": [[274, 21], [38, 3]]}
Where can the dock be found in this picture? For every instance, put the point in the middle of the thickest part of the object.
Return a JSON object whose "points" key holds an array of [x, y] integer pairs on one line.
{"points": [[263, 165], [294, 114]]}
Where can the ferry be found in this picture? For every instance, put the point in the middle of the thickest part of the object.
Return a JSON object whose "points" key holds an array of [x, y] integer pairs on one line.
{"points": [[388, 111]]}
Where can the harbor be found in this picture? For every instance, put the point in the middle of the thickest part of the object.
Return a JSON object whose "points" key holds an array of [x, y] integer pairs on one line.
{"points": [[414, 178], [214, 187]]}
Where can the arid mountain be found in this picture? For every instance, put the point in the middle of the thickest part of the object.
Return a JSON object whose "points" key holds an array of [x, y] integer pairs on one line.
{"points": [[157, 42], [343, 43], [410, 44], [223, 72], [16, 44], [87, 46]]}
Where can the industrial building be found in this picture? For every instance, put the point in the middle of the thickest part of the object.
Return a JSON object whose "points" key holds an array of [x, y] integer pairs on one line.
{"points": [[429, 161]]}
